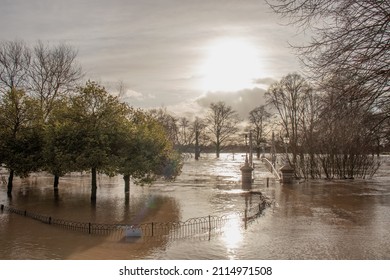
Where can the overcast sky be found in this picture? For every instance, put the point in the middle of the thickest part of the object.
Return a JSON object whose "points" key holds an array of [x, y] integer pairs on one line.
{"points": [[159, 48]]}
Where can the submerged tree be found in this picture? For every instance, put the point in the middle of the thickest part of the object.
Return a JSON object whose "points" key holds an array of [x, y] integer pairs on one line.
{"points": [[289, 97], [348, 59], [198, 128], [346, 142], [350, 36], [145, 152], [98, 133], [61, 139], [20, 135], [96, 116], [185, 135], [257, 119], [222, 123], [330, 134], [37, 78]]}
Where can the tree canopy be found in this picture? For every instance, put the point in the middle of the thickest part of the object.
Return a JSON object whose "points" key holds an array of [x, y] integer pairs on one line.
{"points": [[20, 134]]}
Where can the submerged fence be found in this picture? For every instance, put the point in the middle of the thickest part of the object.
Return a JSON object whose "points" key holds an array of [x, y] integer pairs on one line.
{"points": [[190, 228]]}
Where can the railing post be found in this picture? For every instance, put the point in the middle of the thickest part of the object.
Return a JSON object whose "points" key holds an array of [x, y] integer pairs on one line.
{"points": [[2, 207], [246, 175], [49, 220], [209, 227], [287, 174], [89, 228]]}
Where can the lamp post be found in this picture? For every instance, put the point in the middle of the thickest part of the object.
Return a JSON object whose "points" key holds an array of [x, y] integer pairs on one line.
{"points": [[246, 170], [250, 148], [262, 146], [246, 148], [273, 150], [287, 172], [286, 141]]}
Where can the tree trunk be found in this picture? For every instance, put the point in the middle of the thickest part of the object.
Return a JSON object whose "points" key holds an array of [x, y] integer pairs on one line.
{"points": [[197, 152], [10, 182], [126, 178], [94, 184], [218, 149], [56, 182], [127, 203], [378, 147]]}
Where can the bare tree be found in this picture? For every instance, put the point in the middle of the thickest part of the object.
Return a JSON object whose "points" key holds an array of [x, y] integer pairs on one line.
{"points": [[257, 119], [168, 121], [185, 135], [289, 98], [121, 88], [222, 123], [347, 140], [15, 59], [310, 132], [350, 36], [200, 138], [53, 73]]}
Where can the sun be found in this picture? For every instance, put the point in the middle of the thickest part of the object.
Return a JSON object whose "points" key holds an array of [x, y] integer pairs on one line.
{"points": [[230, 65]]}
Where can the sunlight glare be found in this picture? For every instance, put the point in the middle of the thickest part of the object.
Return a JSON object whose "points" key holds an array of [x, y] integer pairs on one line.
{"points": [[230, 65], [232, 235]]}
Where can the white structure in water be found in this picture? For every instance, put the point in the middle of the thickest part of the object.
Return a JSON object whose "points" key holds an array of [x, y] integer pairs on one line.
{"points": [[131, 231]]}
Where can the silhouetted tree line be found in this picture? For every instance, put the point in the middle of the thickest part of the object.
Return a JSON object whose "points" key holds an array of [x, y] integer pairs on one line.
{"points": [[343, 117], [326, 132], [323, 130]]}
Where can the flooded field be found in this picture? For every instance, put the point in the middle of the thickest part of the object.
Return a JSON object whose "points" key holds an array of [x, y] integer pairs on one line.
{"points": [[317, 220]]}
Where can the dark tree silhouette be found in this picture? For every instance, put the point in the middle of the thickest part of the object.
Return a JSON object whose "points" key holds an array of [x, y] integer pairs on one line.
{"points": [[222, 123]]}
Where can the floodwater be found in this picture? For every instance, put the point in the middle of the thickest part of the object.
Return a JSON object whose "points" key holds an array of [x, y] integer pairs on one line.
{"points": [[317, 220]]}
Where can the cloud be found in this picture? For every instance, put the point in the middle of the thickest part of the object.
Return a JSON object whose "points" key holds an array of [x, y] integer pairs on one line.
{"points": [[137, 99], [132, 94], [243, 101], [155, 47], [266, 81], [189, 109]]}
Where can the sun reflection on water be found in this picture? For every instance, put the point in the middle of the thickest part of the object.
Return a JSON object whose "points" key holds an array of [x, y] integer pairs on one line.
{"points": [[232, 235]]}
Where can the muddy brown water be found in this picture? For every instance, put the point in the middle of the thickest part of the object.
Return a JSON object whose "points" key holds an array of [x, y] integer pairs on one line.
{"points": [[309, 220]]}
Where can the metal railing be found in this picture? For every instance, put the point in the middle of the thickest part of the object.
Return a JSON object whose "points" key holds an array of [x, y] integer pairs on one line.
{"points": [[271, 167], [176, 229]]}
